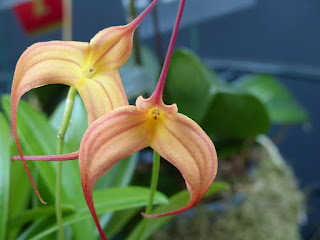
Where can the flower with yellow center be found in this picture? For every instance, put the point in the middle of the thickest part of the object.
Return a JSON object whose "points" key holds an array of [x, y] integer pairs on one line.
{"points": [[91, 68], [129, 129]]}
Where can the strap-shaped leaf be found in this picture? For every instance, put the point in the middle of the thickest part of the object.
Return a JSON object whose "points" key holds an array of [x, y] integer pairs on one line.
{"points": [[5, 174]]}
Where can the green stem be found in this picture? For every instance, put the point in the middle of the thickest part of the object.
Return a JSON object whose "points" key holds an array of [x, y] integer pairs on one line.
{"points": [[61, 134], [153, 189]]}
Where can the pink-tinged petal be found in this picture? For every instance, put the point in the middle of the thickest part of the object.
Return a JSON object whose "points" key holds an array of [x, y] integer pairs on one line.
{"points": [[102, 93], [108, 140], [62, 157], [111, 47], [41, 64], [184, 144], [151, 102], [48, 63]]}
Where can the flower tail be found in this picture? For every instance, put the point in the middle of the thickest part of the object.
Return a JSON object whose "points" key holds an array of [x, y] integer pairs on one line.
{"points": [[87, 190], [15, 134], [62, 157], [185, 208]]}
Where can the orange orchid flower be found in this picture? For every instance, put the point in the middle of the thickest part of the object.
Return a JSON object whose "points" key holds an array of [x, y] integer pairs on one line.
{"points": [[129, 129], [91, 68]]}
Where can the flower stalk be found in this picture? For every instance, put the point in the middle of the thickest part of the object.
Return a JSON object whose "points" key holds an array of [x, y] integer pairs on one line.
{"points": [[157, 95], [66, 36], [153, 189], [61, 134]]}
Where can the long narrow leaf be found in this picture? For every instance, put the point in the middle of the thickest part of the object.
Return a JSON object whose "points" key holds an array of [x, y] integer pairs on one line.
{"points": [[36, 213], [119, 220], [176, 201], [38, 138], [107, 200], [20, 190], [4, 174]]}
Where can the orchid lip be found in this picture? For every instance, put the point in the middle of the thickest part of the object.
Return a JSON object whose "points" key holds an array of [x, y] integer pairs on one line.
{"points": [[155, 113]]}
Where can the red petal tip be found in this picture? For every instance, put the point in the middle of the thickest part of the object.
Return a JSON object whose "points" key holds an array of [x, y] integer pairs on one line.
{"points": [[157, 215], [185, 208]]}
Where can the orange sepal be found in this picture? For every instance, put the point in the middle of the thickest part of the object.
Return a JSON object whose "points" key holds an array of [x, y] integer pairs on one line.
{"points": [[108, 140], [41, 64], [183, 143]]}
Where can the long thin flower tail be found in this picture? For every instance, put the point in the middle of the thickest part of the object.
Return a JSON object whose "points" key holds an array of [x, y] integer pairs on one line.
{"points": [[62, 157]]}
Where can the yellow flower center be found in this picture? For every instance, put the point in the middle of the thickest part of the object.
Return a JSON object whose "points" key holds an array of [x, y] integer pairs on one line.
{"points": [[89, 71], [155, 113]]}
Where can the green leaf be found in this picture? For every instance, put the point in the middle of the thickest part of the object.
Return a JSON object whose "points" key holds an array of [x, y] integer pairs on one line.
{"points": [[281, 105], [175, 202], [37, 137], [235, 115], [38, 226], [119, 220], [217, 187], [107, 200], [4, 174], [120, 174], [36, 213], [188, 84], [20, 190]]}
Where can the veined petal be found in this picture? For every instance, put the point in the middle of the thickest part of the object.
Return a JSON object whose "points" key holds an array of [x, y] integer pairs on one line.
{"points": [[111, 47], [102, 93], [108, 140], [48, 63], [184, 144], [41, 64]]}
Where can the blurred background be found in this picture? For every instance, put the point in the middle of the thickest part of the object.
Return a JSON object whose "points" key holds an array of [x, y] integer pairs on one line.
{"points": [[233, 38]]}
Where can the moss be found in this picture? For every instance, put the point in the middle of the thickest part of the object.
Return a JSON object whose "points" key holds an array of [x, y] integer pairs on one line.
{"points": [[269, 209]]}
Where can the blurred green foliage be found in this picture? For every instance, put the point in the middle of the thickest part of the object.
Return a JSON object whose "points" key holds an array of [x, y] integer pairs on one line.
{"points": [[230, 112]]}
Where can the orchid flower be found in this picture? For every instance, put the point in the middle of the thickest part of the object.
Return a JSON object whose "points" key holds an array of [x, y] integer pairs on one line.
{"points": [[129, 129], [91, 68]]}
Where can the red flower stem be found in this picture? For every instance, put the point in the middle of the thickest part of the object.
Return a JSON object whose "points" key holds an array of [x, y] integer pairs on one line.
{"points": [[157, 94]]}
